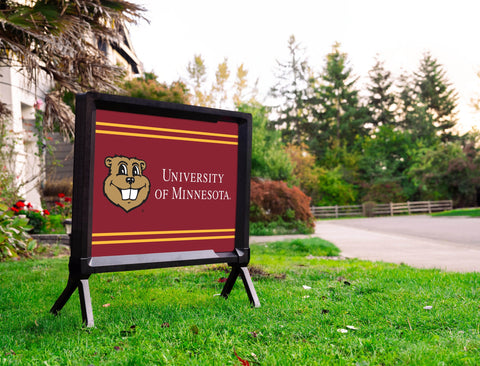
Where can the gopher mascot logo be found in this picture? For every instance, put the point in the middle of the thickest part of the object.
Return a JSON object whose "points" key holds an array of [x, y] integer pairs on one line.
{"points": [[125, 185]]}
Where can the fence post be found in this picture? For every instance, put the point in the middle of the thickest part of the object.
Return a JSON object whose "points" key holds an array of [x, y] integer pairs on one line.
{"points": [[429, 208], [336, 211], [391, 209], [408, 207]]}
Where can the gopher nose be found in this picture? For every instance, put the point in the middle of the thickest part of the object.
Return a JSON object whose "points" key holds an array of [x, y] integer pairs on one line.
{"points": [[130, 180]]}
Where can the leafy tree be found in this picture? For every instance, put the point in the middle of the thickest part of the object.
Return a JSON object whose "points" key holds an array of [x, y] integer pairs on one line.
{"points": [[197, 73], [219, 89], [148, 87], [447, 171], [218, 93], [291, 92], [383, 164], [269, 159], [381, 100], [386, 154], [332, 189], [305, 172], [55, 37], [324, 186], [240, 86], [338, 116]]}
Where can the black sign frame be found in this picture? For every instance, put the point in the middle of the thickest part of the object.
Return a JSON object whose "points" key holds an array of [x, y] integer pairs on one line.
{"points": [[82, 264]]}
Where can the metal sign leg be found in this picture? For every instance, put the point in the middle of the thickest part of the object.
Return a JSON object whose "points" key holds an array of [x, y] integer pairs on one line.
{"points": [[247, 282], [74, 282], [86, 303]]}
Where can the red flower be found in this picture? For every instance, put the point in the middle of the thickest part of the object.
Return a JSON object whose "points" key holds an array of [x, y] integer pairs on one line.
{"points": [[46, 212], [14, 209], [20, 204], [29, 205], [68, 199], [61, 195], [60, 204], [222, 279]]}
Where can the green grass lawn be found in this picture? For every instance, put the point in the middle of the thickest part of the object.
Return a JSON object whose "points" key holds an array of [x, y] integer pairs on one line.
{"points": [[472, 212], [172, 316]]}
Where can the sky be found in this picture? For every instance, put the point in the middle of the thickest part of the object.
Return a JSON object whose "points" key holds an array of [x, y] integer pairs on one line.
{"points": [[255, 33]]}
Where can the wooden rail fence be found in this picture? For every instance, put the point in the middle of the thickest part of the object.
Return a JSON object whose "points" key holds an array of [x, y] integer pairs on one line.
{"points": [[381, 209]]}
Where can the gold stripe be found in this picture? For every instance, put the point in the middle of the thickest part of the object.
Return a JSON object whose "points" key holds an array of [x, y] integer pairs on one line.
{"points": [[108, 124], [99, 242], [166, 137], [130, 233]]}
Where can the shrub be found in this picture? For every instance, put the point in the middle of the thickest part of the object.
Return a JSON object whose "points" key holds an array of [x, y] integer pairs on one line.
{"points": [[14, 238], [274, 202], [62, 206], [333, 189], [369, 208], [54, 225], [37, 220], [384, 192]]}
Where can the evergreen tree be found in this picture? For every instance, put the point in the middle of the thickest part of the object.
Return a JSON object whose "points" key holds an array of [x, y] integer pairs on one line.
{"points": [[381, 100], [428, 103], [413, 117], [290, 91], [338, 117], [437, 96]]}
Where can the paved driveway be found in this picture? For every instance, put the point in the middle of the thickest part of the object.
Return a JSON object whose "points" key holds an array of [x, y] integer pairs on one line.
{"points": [[448, 243], [463, 231]]}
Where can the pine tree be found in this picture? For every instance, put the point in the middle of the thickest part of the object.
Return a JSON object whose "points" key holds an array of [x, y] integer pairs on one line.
{"points": [[291, 91], [413, 116], [338, 117], [381, 100], [437, 96], [428, 103]]}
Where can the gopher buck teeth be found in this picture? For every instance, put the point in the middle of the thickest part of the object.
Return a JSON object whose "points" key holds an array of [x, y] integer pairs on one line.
{"points": [[129, 194]]}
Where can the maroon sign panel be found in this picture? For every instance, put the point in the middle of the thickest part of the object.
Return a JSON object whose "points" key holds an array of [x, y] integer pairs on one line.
{"points": [[163, 184]]}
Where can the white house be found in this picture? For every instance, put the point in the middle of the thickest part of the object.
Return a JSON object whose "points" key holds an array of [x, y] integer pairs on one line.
{"points": [[20, 97]]}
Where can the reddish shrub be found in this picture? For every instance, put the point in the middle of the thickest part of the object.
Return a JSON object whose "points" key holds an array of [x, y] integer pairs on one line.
{"points": [[270, 200]]}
